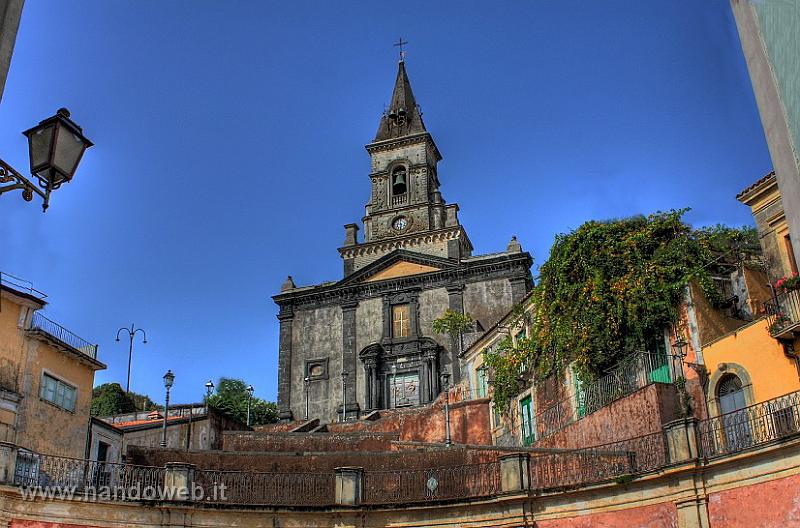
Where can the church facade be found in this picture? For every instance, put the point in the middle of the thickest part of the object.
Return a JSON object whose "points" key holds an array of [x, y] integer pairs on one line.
{"points": [[365, 342]]}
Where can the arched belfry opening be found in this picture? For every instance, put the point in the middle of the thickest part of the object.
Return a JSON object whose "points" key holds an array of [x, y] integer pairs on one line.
{"points": [[399, 181]]}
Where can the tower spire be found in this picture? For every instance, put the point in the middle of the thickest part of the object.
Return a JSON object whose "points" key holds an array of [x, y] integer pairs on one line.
{"points": [[403, 117]]}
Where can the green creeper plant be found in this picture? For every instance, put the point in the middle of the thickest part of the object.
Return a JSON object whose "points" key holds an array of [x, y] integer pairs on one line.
{"points": [[609, 289]]}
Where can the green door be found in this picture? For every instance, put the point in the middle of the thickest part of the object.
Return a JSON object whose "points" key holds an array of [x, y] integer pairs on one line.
{"points": [[659, 363], [528, 428]]}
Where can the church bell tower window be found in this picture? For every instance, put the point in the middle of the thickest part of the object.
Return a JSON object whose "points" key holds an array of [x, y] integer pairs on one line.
{"points": [[399, 181]]}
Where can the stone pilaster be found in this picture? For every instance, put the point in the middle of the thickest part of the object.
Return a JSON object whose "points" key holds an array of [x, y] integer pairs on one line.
{"points": [[519, 289], [455, 297], [8, 462], [348, 485], [349, 355], [681, 436], [179, 481], [285, 317], [693, 513], [515, 472]]}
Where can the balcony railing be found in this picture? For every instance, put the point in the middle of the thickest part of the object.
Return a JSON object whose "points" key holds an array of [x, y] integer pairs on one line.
{"points": [[273, 489], [750, 427], [20, 285], [81, 476], [43, 324], [399, 199], [423, 485], [784, 314]]}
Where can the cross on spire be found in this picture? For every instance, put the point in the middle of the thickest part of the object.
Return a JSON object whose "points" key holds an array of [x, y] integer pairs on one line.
{"points": [[399, 44]]}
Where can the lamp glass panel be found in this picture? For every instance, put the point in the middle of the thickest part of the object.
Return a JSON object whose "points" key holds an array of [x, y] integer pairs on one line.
{"points": [[69, 148], [39, 142]]}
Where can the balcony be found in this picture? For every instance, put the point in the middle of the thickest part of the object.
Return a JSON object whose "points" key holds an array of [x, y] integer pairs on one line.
{"points": [[784, 315], [61, 337], [399, 199], [20, 285]]}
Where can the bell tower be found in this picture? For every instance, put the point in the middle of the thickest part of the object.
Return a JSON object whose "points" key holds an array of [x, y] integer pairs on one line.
{"points": [[406, 209]]}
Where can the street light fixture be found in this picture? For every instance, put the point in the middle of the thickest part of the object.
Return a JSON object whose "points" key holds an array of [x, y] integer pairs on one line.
{"points": [[344, 395], [446, 388], [55, 146], [250, 390], [169, 379], [307, 383], [132, 331], [209, 392]]}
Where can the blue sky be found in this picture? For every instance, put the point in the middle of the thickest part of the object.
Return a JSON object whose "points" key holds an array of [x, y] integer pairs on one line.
{"points": [[229, 147]]}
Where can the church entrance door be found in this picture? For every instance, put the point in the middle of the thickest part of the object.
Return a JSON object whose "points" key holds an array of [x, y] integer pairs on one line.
{"points": [[404, 389]]}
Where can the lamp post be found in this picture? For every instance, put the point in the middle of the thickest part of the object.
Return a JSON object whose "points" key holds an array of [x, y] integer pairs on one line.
{"points": [[394, 385], [307, 381], [446, 387], [132, 331], [55, 147], [250, 390], [680, 345], [344, 395], [209, 391], [169, 379]]}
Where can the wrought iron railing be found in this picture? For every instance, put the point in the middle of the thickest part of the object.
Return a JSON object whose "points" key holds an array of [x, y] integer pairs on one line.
{"points": [[82, 476], [783, 312], [274, 489], [750, 427], [20, 285], [634, 373], [41, 323], [423, 485], [581, 467]]}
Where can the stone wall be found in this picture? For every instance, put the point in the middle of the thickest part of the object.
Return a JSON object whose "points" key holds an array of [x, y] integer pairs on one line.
{"points": [[317, 334], [309, 442], [488, 301]]}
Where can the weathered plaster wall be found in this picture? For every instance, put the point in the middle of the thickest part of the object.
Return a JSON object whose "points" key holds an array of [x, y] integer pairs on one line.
{"points": [[663, 515], [488, 301], [773, 504], [751, 347], [638, 414], [317, 334], [42, 426]]}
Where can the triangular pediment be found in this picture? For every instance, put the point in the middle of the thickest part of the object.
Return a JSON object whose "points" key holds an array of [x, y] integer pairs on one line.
{"points": [[397, 264], [401, 269]]}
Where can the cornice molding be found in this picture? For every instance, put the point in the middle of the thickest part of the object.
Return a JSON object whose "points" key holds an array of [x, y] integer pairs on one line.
{"points": [[506, 266]]}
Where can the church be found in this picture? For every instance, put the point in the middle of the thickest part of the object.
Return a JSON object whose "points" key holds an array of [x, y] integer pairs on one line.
{"points": [[365, 342]]}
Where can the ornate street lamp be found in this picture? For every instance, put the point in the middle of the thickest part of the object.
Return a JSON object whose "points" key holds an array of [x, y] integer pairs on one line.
{"points": [[209, 391], [169, 379], [446, 387], [250, 390], [56, 146], [132, 331]]}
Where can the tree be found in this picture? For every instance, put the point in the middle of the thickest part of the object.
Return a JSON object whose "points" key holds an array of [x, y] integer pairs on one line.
{"points": [[454, 324], [109, 400], [231, 399]]}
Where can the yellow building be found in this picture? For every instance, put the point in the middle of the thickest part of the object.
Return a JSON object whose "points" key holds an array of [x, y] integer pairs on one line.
{"points": [[46, 375], [758, 362]]}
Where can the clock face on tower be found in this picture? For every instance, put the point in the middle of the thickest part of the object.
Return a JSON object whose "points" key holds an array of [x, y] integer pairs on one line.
{"points": [[400, 223]]}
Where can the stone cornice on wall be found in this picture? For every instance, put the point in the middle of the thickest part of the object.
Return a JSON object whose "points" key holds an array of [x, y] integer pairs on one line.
{"points": [[402, 242], [504, 265], [391, 144]]}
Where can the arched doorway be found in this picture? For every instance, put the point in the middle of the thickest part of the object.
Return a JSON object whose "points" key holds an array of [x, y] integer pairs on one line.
{"points": [[733, 413]]}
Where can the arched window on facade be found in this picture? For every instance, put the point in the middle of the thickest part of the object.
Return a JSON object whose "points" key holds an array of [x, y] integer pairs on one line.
{"points": [[735, 418], [399, 181]]}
